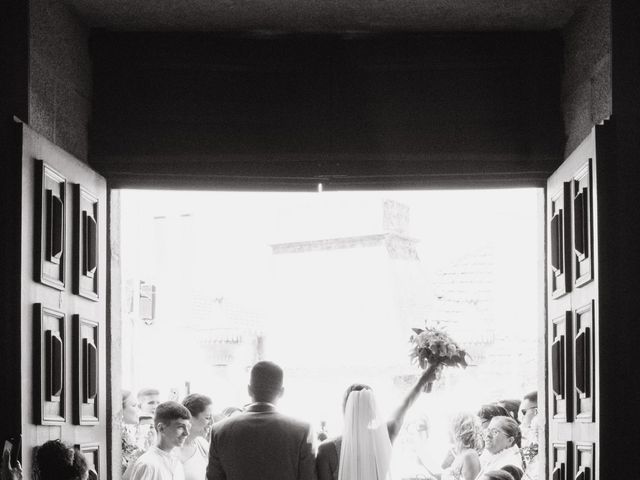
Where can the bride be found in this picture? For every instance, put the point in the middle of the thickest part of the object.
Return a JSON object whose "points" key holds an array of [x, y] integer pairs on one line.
{"points": [[364, 450]]}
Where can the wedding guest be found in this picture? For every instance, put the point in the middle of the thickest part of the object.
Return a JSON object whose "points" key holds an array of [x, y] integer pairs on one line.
{"points": [[130, 408], [512, 406], [502, 445], [53, 461], [172, 422], [362, 452], [148, 400], [531, 426], [130, 412], [496, 475], [322, 434], [515, 472], [194, 453], [528, 411], [261, 442], [490, 410], [465, 435], [146, 434]]}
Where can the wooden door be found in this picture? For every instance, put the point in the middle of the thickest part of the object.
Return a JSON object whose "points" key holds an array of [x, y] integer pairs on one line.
{"points": [[572, 316], [63, 302]]}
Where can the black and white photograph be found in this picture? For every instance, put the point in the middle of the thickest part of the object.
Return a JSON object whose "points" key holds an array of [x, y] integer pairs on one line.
{"points": [[319, 240]]}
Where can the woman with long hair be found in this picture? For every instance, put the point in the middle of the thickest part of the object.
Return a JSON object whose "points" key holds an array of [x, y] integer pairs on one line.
{"points": [[131, 450], [466, 438], [363, 452]]}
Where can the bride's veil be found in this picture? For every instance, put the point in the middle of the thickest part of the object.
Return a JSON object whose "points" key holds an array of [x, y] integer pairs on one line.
{"points": [[366, 449]]}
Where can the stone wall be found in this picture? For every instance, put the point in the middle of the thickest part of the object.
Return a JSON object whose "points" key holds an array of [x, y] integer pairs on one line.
{"points": [[60, 76], [586, 89]]}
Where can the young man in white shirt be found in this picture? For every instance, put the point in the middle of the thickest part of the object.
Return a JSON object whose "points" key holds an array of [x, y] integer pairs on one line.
{"points": [[172, 421]]}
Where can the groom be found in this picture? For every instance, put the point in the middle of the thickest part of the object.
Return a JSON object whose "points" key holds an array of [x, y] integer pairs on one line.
{"points": [[260, 443]]}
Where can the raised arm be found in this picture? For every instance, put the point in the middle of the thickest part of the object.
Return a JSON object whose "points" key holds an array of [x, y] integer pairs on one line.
{"points": [[395, 422]]}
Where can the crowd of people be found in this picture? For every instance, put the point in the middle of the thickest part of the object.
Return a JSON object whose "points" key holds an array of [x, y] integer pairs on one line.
{"points": [[186, 441]]}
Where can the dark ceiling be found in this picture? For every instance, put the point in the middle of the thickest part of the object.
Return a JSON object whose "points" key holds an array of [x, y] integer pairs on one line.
{"points": [[325, 16]]}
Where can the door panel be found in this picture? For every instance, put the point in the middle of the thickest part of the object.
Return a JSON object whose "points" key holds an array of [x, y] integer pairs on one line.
{"points": [[572, 317], [63, 313]]}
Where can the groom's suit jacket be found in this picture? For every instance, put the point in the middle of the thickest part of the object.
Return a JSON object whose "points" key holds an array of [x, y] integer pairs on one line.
{"points": [[261, 444]]}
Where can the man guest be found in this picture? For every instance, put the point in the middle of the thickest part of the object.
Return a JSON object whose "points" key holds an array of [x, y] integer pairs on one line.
{"points": [[260, 443], [172, 422]]}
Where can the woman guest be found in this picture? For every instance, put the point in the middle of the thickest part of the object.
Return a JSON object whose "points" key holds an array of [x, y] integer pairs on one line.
{"points": [[502, 445], [466, 436], [194, 454], [130, 413], [364, 450]]}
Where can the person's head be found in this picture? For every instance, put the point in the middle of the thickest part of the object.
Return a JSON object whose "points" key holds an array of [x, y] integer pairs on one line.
{"points": [[512, 406], [528, 408], [130, 410], [490, 410], [199, 407], [515, 472], [497, 475], [502, 433], [172, 421], [56, 461], [465, 432], [148, 400], [354, 387], [265, 384]]}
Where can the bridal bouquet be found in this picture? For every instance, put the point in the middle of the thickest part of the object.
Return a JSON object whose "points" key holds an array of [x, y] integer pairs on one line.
{"points": [[433, 346]]}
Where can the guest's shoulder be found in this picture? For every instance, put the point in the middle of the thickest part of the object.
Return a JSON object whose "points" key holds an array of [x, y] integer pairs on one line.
{"points": [[147, 457], [330, 446], [202, 443], [469, 453], [146, 466]]}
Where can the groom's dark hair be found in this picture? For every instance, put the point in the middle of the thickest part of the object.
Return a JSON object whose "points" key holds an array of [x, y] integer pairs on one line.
{"points": [[266, 381]]}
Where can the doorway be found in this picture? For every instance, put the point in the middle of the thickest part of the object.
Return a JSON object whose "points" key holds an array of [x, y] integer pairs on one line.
{"points": [[329, 284]]}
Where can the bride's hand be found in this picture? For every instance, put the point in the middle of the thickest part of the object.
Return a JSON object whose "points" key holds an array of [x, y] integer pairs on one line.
{"points": [[430, 375]]}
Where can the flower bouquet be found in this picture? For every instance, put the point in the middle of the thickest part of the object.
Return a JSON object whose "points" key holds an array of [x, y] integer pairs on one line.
{"points": [[433, 346], [529, 452]]}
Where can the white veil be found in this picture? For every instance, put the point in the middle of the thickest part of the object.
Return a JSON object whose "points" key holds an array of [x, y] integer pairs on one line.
{"points": [[365, 453]]}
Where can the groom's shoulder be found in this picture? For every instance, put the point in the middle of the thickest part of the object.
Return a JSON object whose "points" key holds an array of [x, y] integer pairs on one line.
{"points": [[248, 419], [294, 422]]}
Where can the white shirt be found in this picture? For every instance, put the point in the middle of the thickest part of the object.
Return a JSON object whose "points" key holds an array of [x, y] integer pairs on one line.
{"points": [[156, 464], [509, 456], [195, 467]]}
